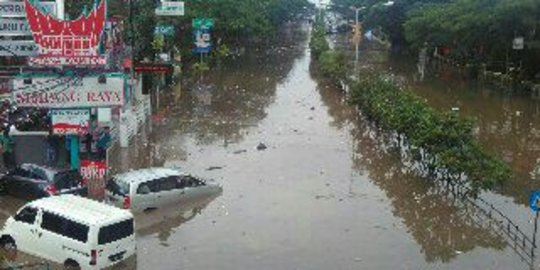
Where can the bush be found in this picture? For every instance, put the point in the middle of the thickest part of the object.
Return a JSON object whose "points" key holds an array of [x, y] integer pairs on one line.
{"points": [[447, 138], [333, 65]]}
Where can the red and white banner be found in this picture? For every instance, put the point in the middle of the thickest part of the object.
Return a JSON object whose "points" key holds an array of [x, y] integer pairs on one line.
{"points": [[92, 170], [72, 42], [70, 121], [69, 92]]}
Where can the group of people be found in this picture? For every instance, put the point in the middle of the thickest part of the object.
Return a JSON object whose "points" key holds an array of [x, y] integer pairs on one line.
{"points": [[102, 138], [59, 146]]}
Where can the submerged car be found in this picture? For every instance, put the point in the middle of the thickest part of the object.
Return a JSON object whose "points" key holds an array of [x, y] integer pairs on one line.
{"points": [[32, 181], [153, 188]]}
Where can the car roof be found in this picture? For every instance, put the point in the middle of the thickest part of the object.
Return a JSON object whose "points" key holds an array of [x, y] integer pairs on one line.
{"points": [[50, 171], [143, 175], [82, 209]]}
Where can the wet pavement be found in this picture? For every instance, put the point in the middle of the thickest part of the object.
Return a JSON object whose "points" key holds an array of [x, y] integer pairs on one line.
{"points": [[327, 192]]}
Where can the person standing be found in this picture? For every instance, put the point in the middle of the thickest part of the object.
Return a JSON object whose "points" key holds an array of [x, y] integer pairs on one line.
{"points": [[103, 143], [7, 149]]}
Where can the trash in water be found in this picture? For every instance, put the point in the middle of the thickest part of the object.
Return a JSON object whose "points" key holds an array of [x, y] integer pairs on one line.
{"points": [[240, 151], [211, 168], [261, 146]]}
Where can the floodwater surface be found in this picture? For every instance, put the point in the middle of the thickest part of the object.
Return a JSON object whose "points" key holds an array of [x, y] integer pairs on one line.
{"points": [[323, 191], [307, 182]]}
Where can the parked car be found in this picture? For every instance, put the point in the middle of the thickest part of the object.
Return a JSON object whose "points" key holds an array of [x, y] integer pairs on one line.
{"points": [[33, 181], [152, 188], [74, 231]]}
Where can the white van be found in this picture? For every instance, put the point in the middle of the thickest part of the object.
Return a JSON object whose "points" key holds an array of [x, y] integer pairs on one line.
{"points": [[152, 188], [77, 232]]}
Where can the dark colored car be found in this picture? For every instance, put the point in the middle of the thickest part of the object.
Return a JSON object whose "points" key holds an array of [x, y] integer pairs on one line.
{"points": [[32, 181]]}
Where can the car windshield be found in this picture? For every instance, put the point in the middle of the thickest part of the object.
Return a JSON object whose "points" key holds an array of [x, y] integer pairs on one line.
{"points": [[118, 187]]}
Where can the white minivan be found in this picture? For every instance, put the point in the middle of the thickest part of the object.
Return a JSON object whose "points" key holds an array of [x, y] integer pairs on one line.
{"points": [[152, 188], [77, 232]]}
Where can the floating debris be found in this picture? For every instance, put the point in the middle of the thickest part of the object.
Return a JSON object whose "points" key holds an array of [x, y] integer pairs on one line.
{"points": [[261, 146]]}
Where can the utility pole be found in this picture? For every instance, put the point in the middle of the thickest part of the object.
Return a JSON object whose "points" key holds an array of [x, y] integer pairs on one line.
{"points": [[132, 41]]}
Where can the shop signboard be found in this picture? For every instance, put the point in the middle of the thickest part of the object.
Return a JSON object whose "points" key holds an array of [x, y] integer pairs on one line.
{"points": [[18, 48], [16, 9], [68, 92], [70, 121], [93, 170], [14, 27], [170, 8], [67, 43]]}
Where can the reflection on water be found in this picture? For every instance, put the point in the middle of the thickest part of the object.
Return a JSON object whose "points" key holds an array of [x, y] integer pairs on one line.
{"points": [[328, 192], [507, 122], [163, 222], [442, 225]]}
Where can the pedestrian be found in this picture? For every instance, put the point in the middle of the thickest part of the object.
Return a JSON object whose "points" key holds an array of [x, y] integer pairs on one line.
{"points": [[52, 148], [7, 149], [103, 143]]}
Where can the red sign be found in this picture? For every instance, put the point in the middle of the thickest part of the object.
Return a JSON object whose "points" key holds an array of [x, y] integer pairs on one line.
{"points": [[93, 170], [60, 40], [154, 68]]}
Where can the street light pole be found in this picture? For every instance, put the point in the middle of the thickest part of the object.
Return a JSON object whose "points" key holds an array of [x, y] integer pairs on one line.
{"points": [[357, 29]]}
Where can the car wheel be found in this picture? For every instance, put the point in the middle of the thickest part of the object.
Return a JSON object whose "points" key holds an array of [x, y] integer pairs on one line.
{"points": [[2, 188], [8, 248], [71, 265]]}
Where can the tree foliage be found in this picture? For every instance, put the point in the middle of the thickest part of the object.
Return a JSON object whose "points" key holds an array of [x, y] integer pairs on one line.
{"points": [[477, 31], [236, 21]]}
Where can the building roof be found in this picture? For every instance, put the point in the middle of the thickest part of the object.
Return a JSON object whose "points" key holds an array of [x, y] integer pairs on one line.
{"points": [[81, 209]]}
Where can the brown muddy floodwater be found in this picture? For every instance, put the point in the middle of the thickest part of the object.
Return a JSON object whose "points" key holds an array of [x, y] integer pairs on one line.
{"points": [[327, 192]]}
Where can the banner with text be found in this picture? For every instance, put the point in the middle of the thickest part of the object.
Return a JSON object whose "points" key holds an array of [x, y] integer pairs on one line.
{"points": [[68, 92], [18, 48], [70, 121]]}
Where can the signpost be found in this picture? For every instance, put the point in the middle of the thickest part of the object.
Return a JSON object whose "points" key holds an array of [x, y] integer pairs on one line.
{"points": [[201, 34], [18, 48], [168, 8], [70, 121]]}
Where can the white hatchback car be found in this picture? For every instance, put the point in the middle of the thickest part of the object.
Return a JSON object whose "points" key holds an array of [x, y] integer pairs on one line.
{"points": [[153, 188], [77, 232]]}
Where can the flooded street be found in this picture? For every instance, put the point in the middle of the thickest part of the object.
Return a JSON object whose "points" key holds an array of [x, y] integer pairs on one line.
{"points": [[307, 182], [327, 192]]}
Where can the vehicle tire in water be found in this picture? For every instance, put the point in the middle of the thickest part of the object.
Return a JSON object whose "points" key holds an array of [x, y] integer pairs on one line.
{"points": [[8, 249], [71, 265]]}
